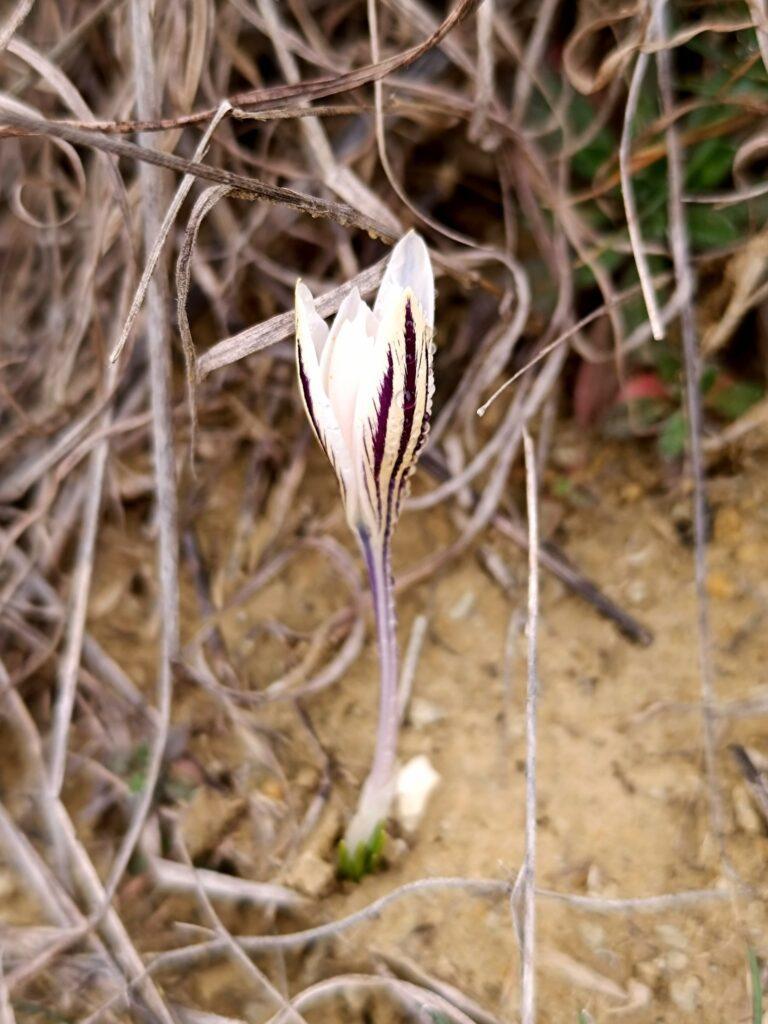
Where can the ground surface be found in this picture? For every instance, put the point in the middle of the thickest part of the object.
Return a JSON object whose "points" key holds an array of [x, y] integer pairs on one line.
{"points": [[623, 805]]}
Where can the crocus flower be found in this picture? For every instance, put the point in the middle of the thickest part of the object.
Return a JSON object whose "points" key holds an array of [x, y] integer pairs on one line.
{"points": [[367, 387]]}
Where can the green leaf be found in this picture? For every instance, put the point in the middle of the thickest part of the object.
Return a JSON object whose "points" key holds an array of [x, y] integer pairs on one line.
{"points": [[588, 160], [735, 399], [709, 164], [649, 411], [673, 436], [668, 365], [635, 312], [137, 768], [708, 378], [562, 487], [710, 228], [365, 860], [608, 258], [757, 987]]}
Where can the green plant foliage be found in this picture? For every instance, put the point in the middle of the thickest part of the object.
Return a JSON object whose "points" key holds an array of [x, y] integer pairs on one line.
{"points": [[708, 377], [668, 363], [673, 435], [587, 161], [757, 987], [735, 399], [712, 229], [709, 163], [137, 768], [365, 860]]}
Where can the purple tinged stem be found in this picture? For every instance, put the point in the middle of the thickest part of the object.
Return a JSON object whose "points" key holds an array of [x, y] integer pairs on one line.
{"points": [[380, 576]]}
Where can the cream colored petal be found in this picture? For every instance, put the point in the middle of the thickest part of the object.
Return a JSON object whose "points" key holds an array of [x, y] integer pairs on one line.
{"points": [[317, 327], [345, 359], [317, 402], [352, 310], [409, 266]]}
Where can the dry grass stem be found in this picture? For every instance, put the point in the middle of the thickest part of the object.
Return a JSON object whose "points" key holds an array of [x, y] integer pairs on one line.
{"points": [[528, 895], [173, 877], [686, 285], [186, 671]]}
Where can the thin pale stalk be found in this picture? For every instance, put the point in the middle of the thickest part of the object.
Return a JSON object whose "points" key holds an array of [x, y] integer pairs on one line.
{"points": [[679, 244], [158, 344], [380, 576], [69, 665], [17, 16], [189, 956], [528, 987], [238, 955], [377, 791]]}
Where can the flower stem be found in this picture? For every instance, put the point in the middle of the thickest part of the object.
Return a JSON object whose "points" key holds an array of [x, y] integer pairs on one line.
{"points": [[380, 576], [376, 794]]}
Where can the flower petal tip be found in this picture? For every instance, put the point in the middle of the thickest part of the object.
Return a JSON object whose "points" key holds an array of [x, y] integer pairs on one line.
{"points": [[409, 266]]}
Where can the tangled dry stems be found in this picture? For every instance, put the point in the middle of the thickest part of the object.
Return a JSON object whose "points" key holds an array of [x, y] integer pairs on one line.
{"points": [[89, 338]]}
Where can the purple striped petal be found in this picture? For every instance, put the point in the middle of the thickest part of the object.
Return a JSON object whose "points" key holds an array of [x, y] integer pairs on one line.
{"points": [[367, 385], [392, 414]]}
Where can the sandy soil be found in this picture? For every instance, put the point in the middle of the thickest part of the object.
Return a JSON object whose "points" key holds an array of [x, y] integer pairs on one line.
{"points": [[622, 796]]}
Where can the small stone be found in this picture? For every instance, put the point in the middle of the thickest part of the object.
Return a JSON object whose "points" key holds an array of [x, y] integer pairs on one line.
{"points": [[631, 492], [463, 606], [568, 456], [685, 993], [637, 592], [310, 875], [272, 788], [593, 933], [720, 586], [728, 525], [747, 818], [672, 936], [423, 713], [595, 880], [414, 785], [639, 996], [395, 851], [639, 556], [677, 960], [650, 972], [597, 885], [307, 778]]}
